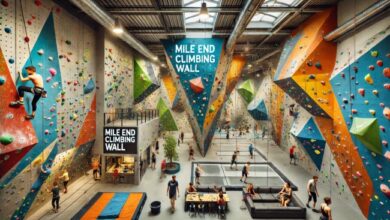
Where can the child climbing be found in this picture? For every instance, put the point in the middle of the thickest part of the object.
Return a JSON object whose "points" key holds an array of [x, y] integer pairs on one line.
{"points": [[38, 90]]}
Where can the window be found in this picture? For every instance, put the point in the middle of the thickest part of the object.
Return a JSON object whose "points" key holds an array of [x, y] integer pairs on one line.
{"points": [[272, 18]]}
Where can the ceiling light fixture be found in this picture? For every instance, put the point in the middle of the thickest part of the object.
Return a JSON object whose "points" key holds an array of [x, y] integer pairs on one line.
{"points": [[117, 27], [204, 12]]}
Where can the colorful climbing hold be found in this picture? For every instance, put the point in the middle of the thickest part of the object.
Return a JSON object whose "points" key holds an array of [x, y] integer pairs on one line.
{"points": [[372, 112], [387, 86], [38, 2], [379, 63], [26, 39], [375, 92], [197, 85], [11, 61], [52, 71], [371, 67], [386, 72], [361, 91], [40, 52], [6, 139], [386, 112], [4, 3], [68, 42], [7, 30], [369, 79], [2, 80], [385, 190], [374, 53]]}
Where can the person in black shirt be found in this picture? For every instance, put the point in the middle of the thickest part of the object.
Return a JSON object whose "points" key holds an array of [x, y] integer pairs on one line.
{"points": [[173, 191], [234, 159], [245, 172], [153, 161], [182, 137], [157, 146], [55, 201]]}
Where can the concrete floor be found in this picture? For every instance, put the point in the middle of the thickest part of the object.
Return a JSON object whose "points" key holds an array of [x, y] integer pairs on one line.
{"points": [[82, 190]]}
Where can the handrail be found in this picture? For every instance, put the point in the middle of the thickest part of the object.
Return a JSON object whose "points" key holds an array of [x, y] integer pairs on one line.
{"points": [[113, 118]]}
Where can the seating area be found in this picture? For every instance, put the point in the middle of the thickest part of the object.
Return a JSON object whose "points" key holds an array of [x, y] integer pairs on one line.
{"points": [[265, 205], [205, 201]]}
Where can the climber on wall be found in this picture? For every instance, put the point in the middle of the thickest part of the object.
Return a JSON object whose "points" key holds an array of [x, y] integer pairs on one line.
{"points": [[38, 90]]}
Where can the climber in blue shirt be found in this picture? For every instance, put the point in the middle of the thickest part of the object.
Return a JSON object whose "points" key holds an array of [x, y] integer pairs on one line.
{"points": [[251, 150]]}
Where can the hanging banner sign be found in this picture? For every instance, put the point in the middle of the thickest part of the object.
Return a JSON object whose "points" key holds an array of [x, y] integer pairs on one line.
{"points": [[195, 61], [120, 140]]}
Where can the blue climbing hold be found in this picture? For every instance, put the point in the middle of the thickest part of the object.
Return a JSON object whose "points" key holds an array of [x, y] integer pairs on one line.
{"points": [[7, 30], [89, 87], [11, 61]]}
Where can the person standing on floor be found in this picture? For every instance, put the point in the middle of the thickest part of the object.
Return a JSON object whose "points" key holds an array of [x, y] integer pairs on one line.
{"points": [[55, 200], [163, 168], [245, 172], [292, 156], [115, 174], [173, 192], [153, 166], [198, 170], [65, 177], [326, 211], [191, 153], [312, 191], [157, 146], [95, 168], [182, 137], [178, 141], [234, 159], [251, 148]]}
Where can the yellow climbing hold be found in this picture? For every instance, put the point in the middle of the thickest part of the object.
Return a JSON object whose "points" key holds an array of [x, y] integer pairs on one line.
{"points": [[317, 152], [369, 79]]}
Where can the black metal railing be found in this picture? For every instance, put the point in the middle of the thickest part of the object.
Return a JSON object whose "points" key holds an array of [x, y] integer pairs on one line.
{"points": [[129, 117]]}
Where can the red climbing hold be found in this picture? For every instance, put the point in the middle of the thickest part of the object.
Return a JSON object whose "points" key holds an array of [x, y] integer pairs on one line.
{"points": [[4, 3], [197, 85], [38, 2], [26, 39], [361, 92], [386, 72], [379, 63], [29, 22], [371, 67]]}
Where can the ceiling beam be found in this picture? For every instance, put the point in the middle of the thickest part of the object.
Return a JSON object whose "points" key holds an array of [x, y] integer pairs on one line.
{"points": [[248, 11], [285, 22], [231, 10], [216, 33]]}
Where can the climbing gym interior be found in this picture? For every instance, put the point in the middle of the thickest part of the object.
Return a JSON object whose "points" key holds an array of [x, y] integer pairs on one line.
{"points": [[182, 109]]}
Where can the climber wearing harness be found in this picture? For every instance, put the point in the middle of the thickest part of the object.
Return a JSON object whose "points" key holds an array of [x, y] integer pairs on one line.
{"points": [[38, 90]]}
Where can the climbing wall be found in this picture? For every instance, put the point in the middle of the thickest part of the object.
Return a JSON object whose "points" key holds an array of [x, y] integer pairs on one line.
{"points": [[61, 47], [346, 104], [360, 83], [118, 73], [306, 63]]}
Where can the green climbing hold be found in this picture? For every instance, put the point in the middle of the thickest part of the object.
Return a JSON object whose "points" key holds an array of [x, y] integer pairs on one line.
{"points": [[212, 109], [374, 53], [246, 91], [6, 139], [167, 122], [367, 131]]}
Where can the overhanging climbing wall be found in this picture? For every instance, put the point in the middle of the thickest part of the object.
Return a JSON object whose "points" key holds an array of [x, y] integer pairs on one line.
{"points": [[198, 70], [311, 139], [306, 64]]}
